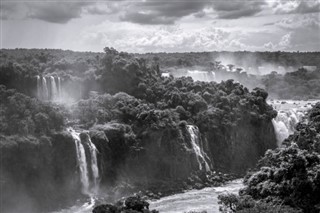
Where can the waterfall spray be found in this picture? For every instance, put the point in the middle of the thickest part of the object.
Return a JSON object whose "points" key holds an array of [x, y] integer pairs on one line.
{"points": [[44, 89], [87, 187], [59, 88], [94, 164], [201, 75], [193, 131], [54, 90], [290, 113], [82, 161], [38, 87]]}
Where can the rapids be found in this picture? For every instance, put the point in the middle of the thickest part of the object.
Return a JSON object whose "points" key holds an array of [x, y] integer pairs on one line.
{"points": [[195, 200], [289, 114]]}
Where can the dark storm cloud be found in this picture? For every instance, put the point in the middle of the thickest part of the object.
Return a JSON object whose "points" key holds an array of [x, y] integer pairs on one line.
{"points": [[161, 12], [167, 12], [56, 12], [230, 9]]}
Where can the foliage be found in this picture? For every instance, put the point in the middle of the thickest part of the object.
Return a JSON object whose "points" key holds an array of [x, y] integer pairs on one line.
{"points": [[289, 175], [23, 115], [132, 204], [301, 84]]}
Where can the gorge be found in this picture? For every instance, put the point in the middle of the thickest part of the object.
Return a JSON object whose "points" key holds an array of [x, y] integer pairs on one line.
{"points": [[127, 129]]}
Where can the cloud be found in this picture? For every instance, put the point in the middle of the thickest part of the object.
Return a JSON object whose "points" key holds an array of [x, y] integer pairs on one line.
{"points": [[285, 40], [49, 11], [296, 6], [168, 12], [161, 12], [230, 9], [300, 32], [161, 38], [55, 13]]}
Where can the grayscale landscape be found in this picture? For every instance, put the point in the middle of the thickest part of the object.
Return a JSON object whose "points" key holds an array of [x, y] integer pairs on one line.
{"points": [[170, 106]]}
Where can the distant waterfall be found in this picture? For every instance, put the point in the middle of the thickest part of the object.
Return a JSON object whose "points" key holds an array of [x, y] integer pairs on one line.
{"points": [[44, 88], [290, 113], [89, 183], [285, 123], [194, 135], [202, 75], [59, 87], [48, 88], [39, 87], [54, 89]]}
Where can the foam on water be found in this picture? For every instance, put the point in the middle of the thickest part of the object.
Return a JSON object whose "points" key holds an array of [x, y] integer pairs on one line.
{"points": [[290, 113], [194, 135], [195, 200]]}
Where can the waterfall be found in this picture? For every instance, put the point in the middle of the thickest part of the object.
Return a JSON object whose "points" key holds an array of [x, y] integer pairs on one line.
{"points": [[54, 89], [59, 88], [201, 75], [38, 87], [44, 89], [87, 186], [50, 91], [194, 132], [82, 161], [94, 163], [290, 113]]}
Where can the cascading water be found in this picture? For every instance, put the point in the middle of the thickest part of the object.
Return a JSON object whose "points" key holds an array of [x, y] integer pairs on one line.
{"points": [[94, 164], [201, 75], [82, 160], [87, 187], [290, 113], [44, 87], [59, 87], [49, 91], [54, 89], [38, 86], [194, 132]]}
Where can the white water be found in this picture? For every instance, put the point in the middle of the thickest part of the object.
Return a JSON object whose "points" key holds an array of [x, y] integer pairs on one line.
{"points": [[201, 75], [88, 187], [44, 89], [54, 89], [82, 161], [94, 165], [194, 132], [195, 200], [48, 92], [80, 208], [289, 114], [59, 87]]}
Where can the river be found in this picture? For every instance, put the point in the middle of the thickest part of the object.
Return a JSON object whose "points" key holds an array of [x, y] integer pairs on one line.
{"points": [[195, 200]]}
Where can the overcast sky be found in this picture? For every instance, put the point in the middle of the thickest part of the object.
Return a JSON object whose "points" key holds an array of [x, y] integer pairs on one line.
{"points": [[162, 25]]}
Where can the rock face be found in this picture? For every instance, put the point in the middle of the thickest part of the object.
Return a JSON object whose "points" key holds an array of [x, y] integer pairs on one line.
{"points": [[173, 154], [239, 148], [38, 174], [43, 173]]}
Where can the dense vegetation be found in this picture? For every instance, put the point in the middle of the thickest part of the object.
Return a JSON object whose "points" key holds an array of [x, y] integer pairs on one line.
{"points": [[241, 58], [134, 204], [301, 84], [23, 115], [19, 67], [136, 118], [288, 178]]}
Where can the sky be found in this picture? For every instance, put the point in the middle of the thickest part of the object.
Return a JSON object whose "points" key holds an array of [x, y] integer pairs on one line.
{"points": [[162, 25]]}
